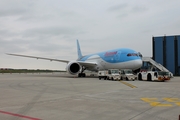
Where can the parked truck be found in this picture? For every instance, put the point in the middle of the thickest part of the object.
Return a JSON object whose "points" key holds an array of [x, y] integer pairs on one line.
{"points": [[154, 75], [111, 74]]}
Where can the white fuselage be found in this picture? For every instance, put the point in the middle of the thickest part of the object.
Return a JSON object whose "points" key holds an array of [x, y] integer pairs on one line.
{"points": [[103, 65]]}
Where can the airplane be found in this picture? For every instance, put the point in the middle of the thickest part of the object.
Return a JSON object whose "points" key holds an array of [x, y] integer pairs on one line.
{"points": [[121, 58]]}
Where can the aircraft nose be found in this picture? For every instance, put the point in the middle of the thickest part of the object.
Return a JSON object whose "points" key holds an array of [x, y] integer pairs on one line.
{"points": [[138, 63]]}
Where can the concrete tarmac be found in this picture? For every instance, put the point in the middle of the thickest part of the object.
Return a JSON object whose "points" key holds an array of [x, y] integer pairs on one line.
{"points": [[58, 96]]}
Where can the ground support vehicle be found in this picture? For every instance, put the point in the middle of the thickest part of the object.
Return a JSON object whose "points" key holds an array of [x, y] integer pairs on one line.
{"points": [[127, 74], [153, 75], [102, 74], [111, 74]]}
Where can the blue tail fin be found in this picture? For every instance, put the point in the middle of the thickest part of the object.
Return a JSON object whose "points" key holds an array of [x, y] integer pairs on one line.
{"points": [[79, 50]]}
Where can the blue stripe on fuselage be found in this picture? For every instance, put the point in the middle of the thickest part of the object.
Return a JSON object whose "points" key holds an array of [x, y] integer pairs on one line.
{"points": [[114, 56]]}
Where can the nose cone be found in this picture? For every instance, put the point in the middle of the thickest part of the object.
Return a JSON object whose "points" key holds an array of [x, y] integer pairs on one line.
{"points": [[138, 64]]}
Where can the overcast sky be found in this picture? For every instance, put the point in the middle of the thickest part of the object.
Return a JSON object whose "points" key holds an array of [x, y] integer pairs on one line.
{"points": [[50, 28]]}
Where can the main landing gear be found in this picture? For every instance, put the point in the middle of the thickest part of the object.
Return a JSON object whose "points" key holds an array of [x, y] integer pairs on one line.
{"points": [[82, 74]]}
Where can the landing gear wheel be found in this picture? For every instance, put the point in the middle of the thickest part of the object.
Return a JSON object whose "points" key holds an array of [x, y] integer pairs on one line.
{"points": [[81, 75]]}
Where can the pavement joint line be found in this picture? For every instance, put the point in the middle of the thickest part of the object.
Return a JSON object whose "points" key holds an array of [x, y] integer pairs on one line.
{"points": [[128, 84]]}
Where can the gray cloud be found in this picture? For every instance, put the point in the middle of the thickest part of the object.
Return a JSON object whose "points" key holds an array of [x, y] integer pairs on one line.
{"points": [[118, 7], [125, 10], [52, 31], [139, 9], [43, 46], [50, 28], [15, 7], [12, 46]]}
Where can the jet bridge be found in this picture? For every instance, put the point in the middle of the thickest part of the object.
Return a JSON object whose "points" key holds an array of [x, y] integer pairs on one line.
{"points": [[155, 65]]}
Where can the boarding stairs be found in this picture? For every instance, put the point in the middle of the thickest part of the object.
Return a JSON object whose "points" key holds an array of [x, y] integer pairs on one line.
{"points": [[157, 65]]}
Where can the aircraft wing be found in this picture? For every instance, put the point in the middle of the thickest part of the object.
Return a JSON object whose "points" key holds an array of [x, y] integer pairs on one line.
{"points": [[65, 61], [87, 64], [83, 63]]}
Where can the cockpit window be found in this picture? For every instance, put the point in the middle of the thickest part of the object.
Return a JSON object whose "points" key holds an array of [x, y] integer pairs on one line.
{"points": [[132, 54]]}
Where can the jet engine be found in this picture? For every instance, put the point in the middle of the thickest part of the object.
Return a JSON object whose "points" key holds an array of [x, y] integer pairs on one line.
{"points": [[73, 68]]}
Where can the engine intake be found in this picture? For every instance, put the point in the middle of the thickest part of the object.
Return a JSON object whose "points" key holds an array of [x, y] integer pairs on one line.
{"points": [[73, 68]]}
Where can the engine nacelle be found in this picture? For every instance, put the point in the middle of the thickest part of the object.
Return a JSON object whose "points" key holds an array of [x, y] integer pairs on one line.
{"points": [[73, 68]]}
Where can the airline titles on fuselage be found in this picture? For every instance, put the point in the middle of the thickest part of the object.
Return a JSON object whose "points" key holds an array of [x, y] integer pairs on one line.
{"points": [[110, 53]]}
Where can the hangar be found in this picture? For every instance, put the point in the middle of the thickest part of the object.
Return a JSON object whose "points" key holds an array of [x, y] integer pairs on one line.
{"points": [[166, 51]]}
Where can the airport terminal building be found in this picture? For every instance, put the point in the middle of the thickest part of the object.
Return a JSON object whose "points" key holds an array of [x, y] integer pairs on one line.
{"points": [[166, 51]]}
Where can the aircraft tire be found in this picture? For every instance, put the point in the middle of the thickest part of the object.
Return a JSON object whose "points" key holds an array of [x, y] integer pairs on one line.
{"points": [[149, 77], [139, 76], [79, 75], [84, 75]]}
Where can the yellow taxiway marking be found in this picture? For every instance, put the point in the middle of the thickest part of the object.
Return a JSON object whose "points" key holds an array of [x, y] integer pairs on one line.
{"points": [[130, 85], [174, 100], [154, 102], [160, 104]]}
